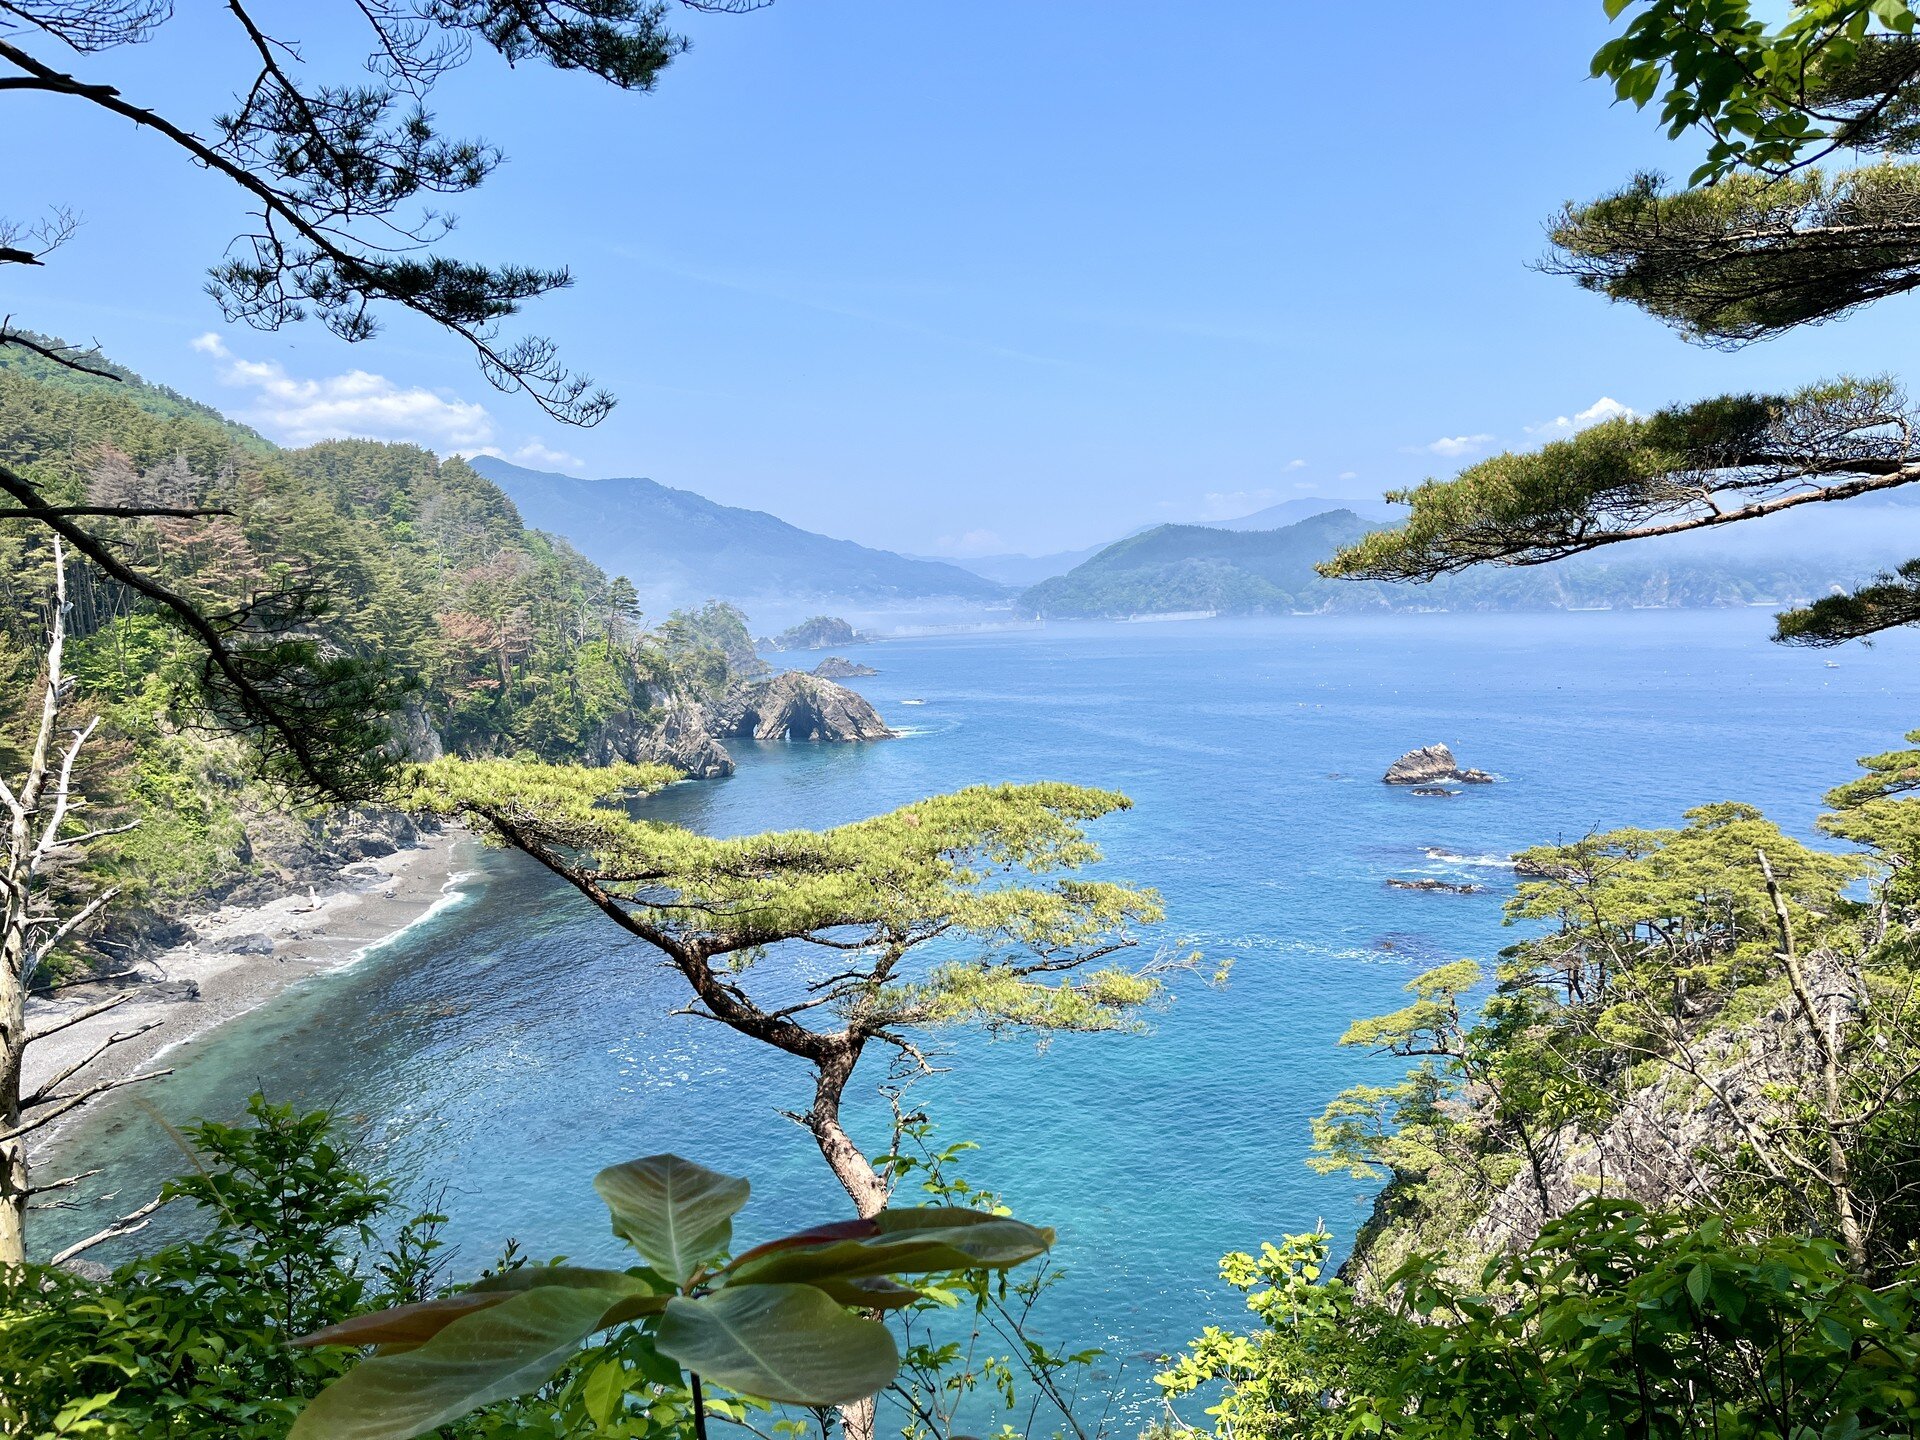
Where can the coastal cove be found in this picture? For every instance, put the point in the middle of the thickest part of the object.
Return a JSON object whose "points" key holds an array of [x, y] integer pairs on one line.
{"points": [[517, 1034]]}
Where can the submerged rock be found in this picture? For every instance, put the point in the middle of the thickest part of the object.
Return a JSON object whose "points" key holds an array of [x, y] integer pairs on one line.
{"points": [[1432, 790], [1445, 887], [1429, 765]]}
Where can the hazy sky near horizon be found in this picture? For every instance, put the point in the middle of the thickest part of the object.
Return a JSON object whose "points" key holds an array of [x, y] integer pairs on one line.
{"points": [[959, 278]]}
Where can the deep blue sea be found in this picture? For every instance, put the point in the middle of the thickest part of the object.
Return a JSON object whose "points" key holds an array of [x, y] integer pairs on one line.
{"points": [[516, 1042]]}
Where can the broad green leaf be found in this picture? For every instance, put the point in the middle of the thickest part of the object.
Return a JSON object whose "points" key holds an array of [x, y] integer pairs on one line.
{"points": [[812, 1235], [911, 1241], [604, 1391], [677, 1214], [785, 1343], [504, 1350], [1698, 1278], [571, 1277], [639, 1294]]}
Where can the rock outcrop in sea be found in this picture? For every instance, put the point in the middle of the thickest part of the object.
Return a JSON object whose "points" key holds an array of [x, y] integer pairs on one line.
{"points": [[794, 706], [1431, 764], [835, 667], [688, 734]]}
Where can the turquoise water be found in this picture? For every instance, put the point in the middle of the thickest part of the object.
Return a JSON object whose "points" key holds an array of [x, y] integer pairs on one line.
{"points": [[516, 1042]]}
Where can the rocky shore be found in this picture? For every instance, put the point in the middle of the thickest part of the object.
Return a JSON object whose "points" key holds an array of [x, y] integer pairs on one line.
{"points": [[241, 954]]}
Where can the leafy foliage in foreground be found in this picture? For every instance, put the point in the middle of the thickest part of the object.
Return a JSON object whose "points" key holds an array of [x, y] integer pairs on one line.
{"points": [[773, 1323], [192, 1340], [1615, 1321]]}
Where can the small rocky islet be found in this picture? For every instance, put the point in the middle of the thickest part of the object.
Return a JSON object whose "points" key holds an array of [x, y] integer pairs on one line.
{"points": [[836, 667], [1427, 768]]}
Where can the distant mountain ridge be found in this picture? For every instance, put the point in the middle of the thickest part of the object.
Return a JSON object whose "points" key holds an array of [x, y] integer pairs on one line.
{"points": [[1185, 568], [1195, 567], [1377, 513], [1028, 570], [676, 547]]}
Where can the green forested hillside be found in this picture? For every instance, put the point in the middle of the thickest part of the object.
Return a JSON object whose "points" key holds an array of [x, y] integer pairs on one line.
{"points": [[508, 636], [507, 640]]}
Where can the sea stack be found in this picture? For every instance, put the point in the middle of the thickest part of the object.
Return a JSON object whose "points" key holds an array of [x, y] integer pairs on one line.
{"points": [[796, 706], [1429, 765]]}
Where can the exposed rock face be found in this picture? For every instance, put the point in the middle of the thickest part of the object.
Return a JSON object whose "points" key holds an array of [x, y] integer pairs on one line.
{"points": [[835, 668], [1431, 764], [681, 736], [1667, 1141], [687, 734], [794, 706], [413, 737]]}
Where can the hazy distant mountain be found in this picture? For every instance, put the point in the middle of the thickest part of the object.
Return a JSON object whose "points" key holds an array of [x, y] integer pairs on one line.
{"points": [[1292, 512], [1196, 567], [1019, 571], [1026, 570], [1241, 572], [678, 548]]}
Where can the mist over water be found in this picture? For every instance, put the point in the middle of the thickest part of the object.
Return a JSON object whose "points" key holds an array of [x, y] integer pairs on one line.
{"points": [[517, 1042]]}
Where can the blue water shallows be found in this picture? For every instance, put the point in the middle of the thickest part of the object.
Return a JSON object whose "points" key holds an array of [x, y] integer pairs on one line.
{"points": [[517, 1042]]}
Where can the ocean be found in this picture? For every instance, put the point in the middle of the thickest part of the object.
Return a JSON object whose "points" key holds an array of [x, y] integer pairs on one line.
{"points": [[511, 1045]]}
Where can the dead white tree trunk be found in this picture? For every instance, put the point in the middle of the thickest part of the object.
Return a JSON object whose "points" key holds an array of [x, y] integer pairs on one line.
{"points": [[36, 808]]}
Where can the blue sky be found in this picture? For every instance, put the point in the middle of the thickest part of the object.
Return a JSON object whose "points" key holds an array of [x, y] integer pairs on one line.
{"points": [[962, 278]]}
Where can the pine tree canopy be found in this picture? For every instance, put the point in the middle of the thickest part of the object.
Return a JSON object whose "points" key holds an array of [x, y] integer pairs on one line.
{"points": [[977, 876], [1716, 462], [345, 180], [1759, 242], [1750, 255]]}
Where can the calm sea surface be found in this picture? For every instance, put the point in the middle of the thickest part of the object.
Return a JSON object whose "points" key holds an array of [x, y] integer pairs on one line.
{"points": [[516, 1042]]}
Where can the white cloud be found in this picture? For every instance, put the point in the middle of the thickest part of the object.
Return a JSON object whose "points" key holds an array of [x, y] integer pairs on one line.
{"points": [[1605, 408], [1453, 446], [1296, 464], [1349, 474], [355, 404]]}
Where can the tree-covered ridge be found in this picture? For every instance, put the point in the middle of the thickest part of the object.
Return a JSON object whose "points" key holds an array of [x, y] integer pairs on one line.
{"points": [[504, 638], [485, 638], [1716, 1015]]}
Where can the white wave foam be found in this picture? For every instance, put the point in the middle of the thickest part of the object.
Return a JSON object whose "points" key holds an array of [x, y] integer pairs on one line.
{"points": [[450, 895], [1447, 857]]}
